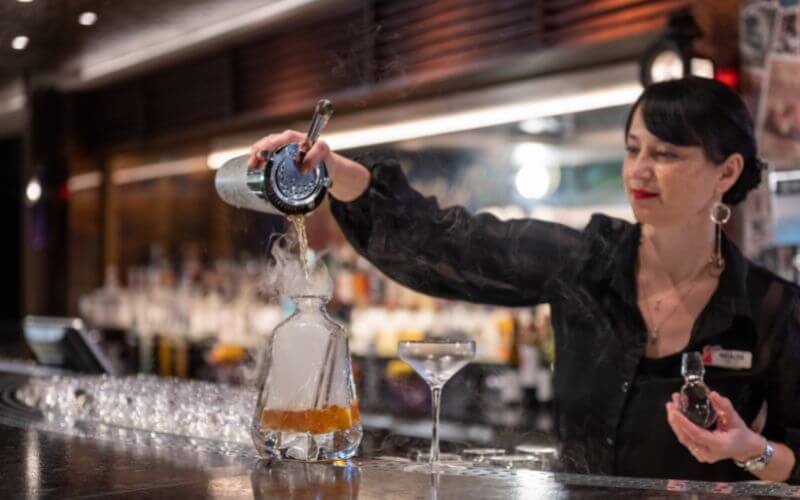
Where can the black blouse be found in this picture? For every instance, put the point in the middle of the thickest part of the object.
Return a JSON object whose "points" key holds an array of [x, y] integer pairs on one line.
{"points": [[609, 398]]}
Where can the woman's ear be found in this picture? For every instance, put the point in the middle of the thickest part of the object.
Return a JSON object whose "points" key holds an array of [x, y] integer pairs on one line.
{"points": [[729, 172]]}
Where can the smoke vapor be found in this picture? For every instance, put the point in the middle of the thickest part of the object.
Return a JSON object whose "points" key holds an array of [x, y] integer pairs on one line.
{"points": [[285, 276]]}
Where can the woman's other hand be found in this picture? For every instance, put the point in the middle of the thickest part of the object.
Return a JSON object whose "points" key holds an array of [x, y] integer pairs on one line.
{"points": [[349, 178], [732, 438]]}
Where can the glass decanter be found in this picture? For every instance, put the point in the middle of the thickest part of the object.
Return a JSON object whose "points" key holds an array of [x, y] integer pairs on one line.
{"points": [[307, 407], [694, 401]]}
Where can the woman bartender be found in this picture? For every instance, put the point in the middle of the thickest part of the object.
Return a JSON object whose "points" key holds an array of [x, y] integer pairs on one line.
{"points": [[627, 299]]}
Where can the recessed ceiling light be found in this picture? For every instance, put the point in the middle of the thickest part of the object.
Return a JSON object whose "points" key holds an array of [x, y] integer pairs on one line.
{"points": [[33, 191], [87, 18], [19, 42], [24, 1]]}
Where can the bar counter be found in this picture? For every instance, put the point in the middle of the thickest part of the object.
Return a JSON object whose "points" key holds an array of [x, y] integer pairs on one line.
{"points": [[37, 463]]}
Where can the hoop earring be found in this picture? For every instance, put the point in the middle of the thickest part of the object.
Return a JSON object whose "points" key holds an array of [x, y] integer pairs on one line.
{"points": [[720, 214]]}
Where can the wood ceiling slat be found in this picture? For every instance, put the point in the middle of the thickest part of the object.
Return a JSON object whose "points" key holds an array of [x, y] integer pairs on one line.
{"points": [[610, 32], [601, 12], [437, 14], [459, 60], [284, 90], [274, 69], [616, 22], [550, 5], [418, 35], [502, 40], [583, 10], [283, 46], [445, 32], [392, 10]]}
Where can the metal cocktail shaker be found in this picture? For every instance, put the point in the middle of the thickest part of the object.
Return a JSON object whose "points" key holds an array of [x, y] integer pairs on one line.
{"points": [[278, 186]]}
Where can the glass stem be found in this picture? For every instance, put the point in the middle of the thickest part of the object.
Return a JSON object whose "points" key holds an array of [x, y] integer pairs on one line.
{"points": [[146, 354], [436, 397]]}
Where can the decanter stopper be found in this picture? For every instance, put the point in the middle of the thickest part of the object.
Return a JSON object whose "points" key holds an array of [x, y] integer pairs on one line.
{"points": [[694, 401]]}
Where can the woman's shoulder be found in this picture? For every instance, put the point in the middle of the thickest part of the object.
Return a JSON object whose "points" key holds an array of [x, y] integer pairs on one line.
{"points": [[759, 273], [605, 243], [604, 224], [605, 234], [778, 296]]}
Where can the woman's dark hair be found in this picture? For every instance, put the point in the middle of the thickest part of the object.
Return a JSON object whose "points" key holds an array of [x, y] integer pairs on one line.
{"points": [[703, 112]]}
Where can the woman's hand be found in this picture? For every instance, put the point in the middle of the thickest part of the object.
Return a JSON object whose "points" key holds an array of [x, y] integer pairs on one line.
{"points": [[732, 438], [318, 152], [349, 179]]}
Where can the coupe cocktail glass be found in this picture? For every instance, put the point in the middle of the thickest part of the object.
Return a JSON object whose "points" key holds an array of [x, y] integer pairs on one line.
{"points": [[436, 361]]}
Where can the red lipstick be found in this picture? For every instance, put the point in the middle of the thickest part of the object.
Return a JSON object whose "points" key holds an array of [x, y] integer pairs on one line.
{"points": [[640, 194]]}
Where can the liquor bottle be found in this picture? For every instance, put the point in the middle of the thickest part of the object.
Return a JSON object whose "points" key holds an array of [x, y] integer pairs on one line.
{"points": [[694, 401]]}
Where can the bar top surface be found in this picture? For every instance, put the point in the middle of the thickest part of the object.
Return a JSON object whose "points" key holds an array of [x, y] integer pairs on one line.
{"points": [[37, 463]]}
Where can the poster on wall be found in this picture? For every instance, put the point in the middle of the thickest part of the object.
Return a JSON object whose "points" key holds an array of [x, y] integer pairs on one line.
{"points": [[756, 24], [769, 44], [770, 48], [756, 28], [779, 118]]}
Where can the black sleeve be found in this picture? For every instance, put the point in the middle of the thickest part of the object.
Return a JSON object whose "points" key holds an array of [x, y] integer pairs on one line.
{"points": [[783, 386], [448, 252]]}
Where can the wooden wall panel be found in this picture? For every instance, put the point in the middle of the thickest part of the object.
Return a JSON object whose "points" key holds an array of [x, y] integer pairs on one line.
{"points": [[419, 36], [570, 21], [84, 245], [116, 114], [186, 95], [169, 212], [275, 72]]}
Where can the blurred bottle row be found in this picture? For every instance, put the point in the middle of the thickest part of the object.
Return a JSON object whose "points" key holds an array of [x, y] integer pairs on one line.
{"points": [[208, 321]]}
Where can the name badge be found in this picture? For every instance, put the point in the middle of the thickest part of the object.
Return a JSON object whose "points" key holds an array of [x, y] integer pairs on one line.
{"points": [[723, 358]]}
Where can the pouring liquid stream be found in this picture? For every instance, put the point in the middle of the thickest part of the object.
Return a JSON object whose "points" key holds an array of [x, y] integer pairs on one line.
{"points": [[299, 225]]}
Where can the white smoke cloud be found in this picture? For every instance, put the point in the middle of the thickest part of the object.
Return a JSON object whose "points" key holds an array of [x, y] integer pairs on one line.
{"points": [[285, 276]]}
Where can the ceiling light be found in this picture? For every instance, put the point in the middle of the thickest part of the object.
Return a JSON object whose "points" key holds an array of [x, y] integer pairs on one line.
{"points": [[539, 174], [33, 191], [702, 67], [81, 182], [486, 117], [666, 65], [533, 181], [121, 57], [543, 125], [159, 170], [24, 1], [87, 18], [673, 56], [19, 42]]}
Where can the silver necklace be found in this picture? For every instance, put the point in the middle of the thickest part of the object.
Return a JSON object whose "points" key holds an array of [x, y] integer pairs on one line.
{"points": [[655, 332]]}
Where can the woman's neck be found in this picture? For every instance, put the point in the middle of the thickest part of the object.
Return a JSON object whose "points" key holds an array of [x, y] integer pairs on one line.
{"points": [[678, 252]]}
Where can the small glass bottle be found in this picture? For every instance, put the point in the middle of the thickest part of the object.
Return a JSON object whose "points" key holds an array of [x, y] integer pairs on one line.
{"points": [[694, 401], [307, 407]]}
